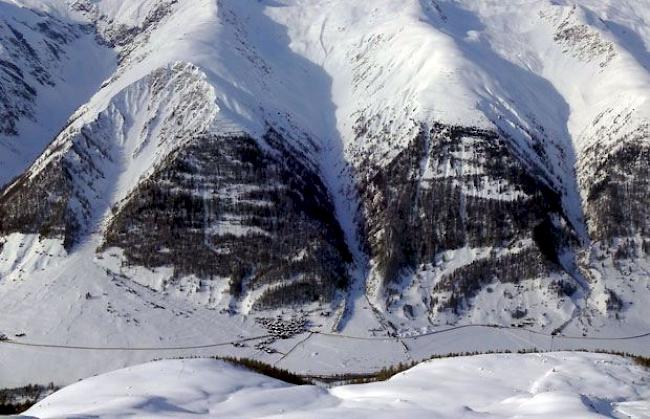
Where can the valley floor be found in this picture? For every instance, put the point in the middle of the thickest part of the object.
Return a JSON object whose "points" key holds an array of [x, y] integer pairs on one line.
{"points": [[90, 320]]}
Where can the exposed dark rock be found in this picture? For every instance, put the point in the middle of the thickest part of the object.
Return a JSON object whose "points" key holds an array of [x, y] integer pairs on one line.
{"points": [[120, 35], [27, 63]]}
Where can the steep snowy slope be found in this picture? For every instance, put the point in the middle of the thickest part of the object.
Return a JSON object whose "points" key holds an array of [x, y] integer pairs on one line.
{"points": [[368, 168], [542, 84], [554, 89], [157, 126], [49, 66], [495, 386]]}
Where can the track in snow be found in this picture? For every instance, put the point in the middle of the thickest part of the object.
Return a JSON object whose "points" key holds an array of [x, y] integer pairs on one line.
{"points": [[310, 334], [117, 348]]}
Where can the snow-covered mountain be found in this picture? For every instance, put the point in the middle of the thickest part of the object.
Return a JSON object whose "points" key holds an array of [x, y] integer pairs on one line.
{"points": [[359, 168]]}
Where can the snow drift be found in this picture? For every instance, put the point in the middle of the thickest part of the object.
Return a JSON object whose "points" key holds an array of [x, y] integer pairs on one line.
{"points": [[495, 386]]}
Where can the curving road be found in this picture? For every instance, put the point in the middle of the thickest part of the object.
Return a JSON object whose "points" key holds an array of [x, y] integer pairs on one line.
{"points": [[309, 334]]}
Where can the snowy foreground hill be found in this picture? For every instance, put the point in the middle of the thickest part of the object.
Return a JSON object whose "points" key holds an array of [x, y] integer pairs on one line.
{"points": [[325, 185], [553, 385]]}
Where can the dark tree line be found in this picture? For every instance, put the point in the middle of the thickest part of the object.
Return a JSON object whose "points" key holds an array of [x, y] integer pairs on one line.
{"points": [[465, 282], [289, 230], [618, 204], [410, 219]]}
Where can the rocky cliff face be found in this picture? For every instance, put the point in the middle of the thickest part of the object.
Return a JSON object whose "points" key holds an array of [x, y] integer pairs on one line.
{"points": [[124, 34], [45, 74], [33, 49]]}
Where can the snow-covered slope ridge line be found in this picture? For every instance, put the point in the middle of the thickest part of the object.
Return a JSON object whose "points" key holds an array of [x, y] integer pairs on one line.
{"points": [[99, 158], [494, 386]]}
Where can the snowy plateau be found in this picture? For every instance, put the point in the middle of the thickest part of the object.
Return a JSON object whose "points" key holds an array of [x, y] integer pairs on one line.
{"points": [[329, 187]]}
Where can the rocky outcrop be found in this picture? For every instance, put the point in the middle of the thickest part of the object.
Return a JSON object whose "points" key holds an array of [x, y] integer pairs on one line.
{"points": [[121, 35], [33, 47]]}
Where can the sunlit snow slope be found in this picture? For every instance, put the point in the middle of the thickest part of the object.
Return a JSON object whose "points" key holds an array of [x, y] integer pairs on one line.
{"points": [[490, 386]]}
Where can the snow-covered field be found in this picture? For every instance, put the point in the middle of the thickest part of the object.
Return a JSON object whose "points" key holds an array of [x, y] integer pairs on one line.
{"points": [[90, 323], [551, 385]]}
